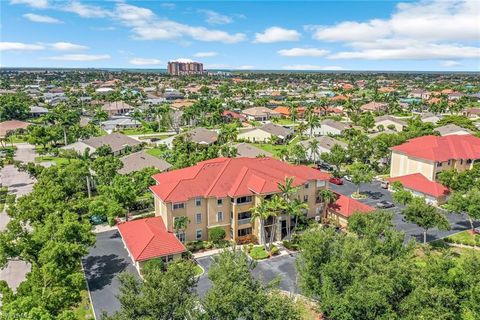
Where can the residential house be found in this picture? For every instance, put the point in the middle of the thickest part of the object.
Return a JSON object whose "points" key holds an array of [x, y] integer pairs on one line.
{"points": [[247, 150], [429, 155], [116, 141], [222, 192], [265, 133], [452, 129], [472, 113], [198, 135], [12, 126], [229, 116], [148, 238], [343, 208], [434, 193], [329, 127], [260, 113], [389, 122], [37, 111], [117, 108], [374, 107], [430, 117], [120, 123], [140, 160], [325, 144], [419, 94]]}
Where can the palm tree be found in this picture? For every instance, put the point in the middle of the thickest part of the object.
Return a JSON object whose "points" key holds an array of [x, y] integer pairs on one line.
{"points": [[260, 212], [293, 114], [313, 121], [180, 224], [313, 148], [295, 208], [328, 197], [276, 205]]}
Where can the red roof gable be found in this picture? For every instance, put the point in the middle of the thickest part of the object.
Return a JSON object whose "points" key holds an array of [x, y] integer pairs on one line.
{"points": [[232, 177], [347, 206], [444, 148], [418, 182], [148, 238]]}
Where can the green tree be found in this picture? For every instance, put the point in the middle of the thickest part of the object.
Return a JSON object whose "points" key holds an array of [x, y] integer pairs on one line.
{"points": [[425, 216], [328, 197], [14, 106], [360, 173], [336, 157], [167, 295], [106, 168], [468, 203], [180, 224]]}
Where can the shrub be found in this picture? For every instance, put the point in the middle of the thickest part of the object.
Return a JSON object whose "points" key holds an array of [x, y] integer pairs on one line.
{"points": [[290, 245], [216, 234], [154, 264], [259, 253], [274, 251]]}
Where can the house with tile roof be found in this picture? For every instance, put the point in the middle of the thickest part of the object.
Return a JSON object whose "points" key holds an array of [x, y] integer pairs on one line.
{"points": [[265, 133], [344, 207], [434, 193], [147, 239], [222, 192]]}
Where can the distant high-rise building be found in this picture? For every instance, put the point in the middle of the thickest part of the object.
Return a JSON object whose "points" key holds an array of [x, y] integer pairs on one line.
{"points": [[178, 68]]}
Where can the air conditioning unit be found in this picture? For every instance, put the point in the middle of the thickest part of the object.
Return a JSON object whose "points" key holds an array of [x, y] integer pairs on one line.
{"points": [[317, 218]]}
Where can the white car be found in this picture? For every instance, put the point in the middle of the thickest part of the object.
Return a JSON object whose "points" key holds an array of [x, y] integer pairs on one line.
{"points": [[348, 178]]}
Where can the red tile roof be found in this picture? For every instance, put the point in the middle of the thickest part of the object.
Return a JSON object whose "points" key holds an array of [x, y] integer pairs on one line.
{"points": [[444, 148], [12, 125], [233, 114], [347, 206], [418, 182], [148, 238], [232, 177]]}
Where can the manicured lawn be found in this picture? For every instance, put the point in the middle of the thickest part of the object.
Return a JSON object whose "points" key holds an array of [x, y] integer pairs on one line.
{"points": [[198, 270], [464, 237], [155, 152], [57, 160], [137, 131], [156, 136], [259, 253], [284, 121], [84, 309], [269, 147]]}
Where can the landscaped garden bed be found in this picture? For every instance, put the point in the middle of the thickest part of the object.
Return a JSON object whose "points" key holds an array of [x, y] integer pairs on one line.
{"points": [[259, 252], [465, 238]]}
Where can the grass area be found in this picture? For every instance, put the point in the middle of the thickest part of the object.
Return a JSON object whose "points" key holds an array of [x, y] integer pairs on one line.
{"points": [[272, 148], [465, 238], [17, 138], [198, 270], [154, 152], [258, 253], [284, 121], [137, 131], [84, 309], [156, 136], [2, 205], [57, 160]]}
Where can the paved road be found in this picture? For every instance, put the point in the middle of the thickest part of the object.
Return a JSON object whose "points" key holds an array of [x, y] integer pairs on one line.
{"points": [[25, 152], [281, 268], [103, 264], [458, 222]]}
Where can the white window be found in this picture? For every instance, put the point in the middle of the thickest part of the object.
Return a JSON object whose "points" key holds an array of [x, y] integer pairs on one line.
{"points": [[198, 234], [178, 206], [219, 202], [198, 218], [219, 216], [198, 202], [181, 236]]}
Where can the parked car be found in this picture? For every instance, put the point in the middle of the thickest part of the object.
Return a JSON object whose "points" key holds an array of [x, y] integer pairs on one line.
{"points": [[336, 181], [348, 178], [325, 166], [385, 204], [384, 184], [96, 219]]}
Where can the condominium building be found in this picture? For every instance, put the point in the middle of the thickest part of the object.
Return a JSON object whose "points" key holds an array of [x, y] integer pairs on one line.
{"points": [[222, 192], [178, 68]]}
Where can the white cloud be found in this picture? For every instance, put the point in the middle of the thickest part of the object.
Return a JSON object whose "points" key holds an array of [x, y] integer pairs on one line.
{"points": [[416, 50], [277, 34], [450, 63], [213, 17], [40, 18], [85, 10], [205, 54], [67, 46], [19, 46], [307, 67], [246, 67], [81, 57], [303, 52], [147, 26], [144, 61], [352, 31], [40, 4]]}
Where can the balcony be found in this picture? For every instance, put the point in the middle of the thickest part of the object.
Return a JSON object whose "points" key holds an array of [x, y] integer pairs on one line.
{"points": [[243, 221]]}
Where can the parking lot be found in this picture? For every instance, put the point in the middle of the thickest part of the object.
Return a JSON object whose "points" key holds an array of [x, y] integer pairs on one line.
{"points": [[281, 268], [103, 264], [375, 193]]}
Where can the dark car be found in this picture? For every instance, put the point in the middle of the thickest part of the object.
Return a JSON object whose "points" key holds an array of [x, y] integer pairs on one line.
{"points": [[97, 219], [336, 181], [385, 205], [325, 166]]}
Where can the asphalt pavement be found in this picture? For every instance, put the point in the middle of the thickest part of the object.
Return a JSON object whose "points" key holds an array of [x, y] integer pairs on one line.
{"points": [[375, 193]]}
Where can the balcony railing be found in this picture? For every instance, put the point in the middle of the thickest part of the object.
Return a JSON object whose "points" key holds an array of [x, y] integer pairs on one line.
{"points": [[244, 221]]}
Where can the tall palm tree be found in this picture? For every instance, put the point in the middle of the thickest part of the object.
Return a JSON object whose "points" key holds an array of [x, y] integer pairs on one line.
{"points": [[260, 213], [313, 121], [328, 197], [293, 114], [276, 206], [313, 148], [295, 208], [180, 224]]}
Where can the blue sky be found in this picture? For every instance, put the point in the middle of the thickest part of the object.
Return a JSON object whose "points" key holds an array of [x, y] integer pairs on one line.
{"points": [[294, 35]]}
